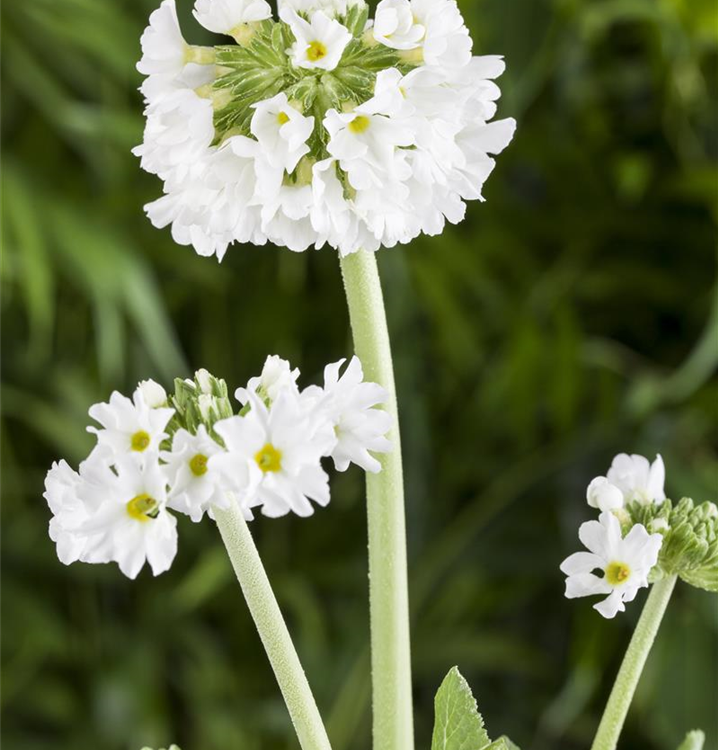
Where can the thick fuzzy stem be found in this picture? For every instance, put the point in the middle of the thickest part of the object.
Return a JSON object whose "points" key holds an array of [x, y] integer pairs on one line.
{"points": [[272, 629], [625, 686], [388, 588]]}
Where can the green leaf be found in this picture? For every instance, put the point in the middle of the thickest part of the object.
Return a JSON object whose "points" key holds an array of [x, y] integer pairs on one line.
{"points": [[694, 741], [458, 724]]}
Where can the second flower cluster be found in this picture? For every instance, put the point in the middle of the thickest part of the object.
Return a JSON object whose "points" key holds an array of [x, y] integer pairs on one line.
{"points": [[191, 453]]}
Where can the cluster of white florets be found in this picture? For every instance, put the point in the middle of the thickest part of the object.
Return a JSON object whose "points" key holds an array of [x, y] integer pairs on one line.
{"points": [[624, 561], [322, 127], [191, 454]]}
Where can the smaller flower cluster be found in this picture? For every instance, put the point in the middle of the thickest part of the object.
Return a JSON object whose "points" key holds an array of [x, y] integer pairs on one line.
{"points": [[640, 537], [190, 453]]}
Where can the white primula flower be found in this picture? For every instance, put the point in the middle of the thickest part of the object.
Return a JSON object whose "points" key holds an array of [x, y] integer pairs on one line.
{"points": [[359, 426], [71, 499], [224, 16], [152, 393], [178, 134], [277, 376], [446, 42], [625, 562], [365, 143], [282, 132], [129, 427], [319, 43], [395, 25], [131, 525], [603, 495], [164, 50], [638, 478], [195, 487], [282, 448]]}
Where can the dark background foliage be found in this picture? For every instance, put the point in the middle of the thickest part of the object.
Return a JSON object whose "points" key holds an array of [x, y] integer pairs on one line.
{"points": [[574, 315]]}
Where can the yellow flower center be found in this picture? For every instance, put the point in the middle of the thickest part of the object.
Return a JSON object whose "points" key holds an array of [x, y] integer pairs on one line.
{"points": [[198, 465], [617, 573], [282, 118], [140, 441], [269, 458], [142, 508], [359, 124], [316, 51]]}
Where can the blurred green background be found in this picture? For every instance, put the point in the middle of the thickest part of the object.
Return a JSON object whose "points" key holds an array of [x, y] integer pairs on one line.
{"points": [[574, 315]]}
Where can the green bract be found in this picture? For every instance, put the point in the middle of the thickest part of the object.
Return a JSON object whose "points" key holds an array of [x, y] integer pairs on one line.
{"points": [[259, 68], [690, 539]]}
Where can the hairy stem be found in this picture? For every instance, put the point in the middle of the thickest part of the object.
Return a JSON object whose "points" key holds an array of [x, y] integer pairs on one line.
{"points": [[633, 662], [388, 588], [272, 629]]}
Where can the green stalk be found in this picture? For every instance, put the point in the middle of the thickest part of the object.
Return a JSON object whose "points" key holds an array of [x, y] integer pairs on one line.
{"points": [[625, 686], [388, 588], [272, 629]]}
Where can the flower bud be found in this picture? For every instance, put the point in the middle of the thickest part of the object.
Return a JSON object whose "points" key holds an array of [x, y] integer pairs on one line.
{"points": [[153, 393], [603, 495]]}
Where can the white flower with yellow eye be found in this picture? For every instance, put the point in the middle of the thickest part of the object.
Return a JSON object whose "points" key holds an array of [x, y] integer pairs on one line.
{"points": [[129, 427], [195, 488], [638, 478], [396, 26], [130, 524], [282, 132], [224, 16], [365, 143], [359, 426], [282, 448], [320, 43], [624, 562]]}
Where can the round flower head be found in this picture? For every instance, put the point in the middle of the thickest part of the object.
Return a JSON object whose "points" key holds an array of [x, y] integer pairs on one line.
{"points": [[638, 478], [130, 427], [197, 487], [625, 563], [282, 448], [320, 128]]}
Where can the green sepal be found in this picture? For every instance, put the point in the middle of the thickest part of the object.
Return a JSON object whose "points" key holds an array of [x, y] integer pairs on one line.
{"points": [[702, 578], [356, 18], [694, 740], [458, 725]]}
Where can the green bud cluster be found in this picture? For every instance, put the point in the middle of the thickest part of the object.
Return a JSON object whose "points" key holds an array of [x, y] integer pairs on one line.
{"points": [[204, 400], [690, 539], [258, 68]]}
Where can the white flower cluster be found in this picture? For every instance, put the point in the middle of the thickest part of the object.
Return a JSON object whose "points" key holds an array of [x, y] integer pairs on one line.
{"points": [[191, 454], [323, 127], [624, 561]]}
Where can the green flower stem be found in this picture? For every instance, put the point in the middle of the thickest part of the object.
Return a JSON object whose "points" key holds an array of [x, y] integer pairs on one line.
{"points": [[625, 686], [388, 589], [272, 629]]}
